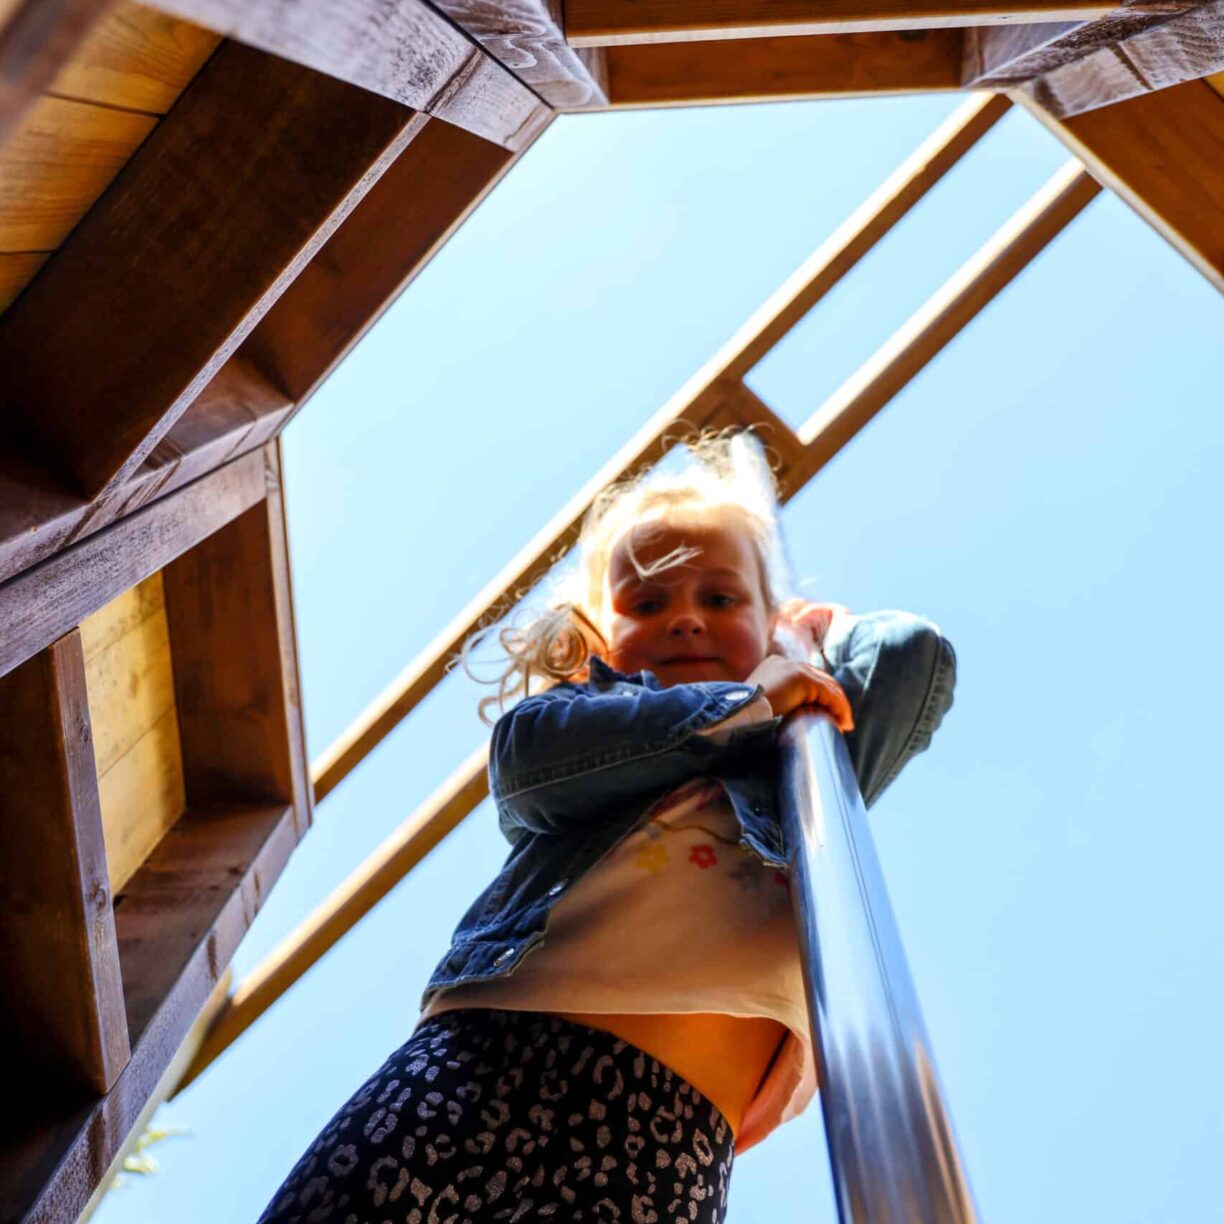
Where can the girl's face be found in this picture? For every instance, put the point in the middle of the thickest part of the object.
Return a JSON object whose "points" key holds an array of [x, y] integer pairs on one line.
{"points": [[704, 620]]}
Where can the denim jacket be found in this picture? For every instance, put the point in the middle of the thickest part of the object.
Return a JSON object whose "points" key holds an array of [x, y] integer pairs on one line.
{"points": [[573, 770]]}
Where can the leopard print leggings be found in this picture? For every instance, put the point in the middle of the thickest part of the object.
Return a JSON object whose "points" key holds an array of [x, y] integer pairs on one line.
{"points": [[489, 1115]]}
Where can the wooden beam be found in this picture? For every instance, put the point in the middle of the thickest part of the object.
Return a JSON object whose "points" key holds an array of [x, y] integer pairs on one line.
{"points": [[403, 50], [528, 38], [1163, 153], [236, 413], [590, 23], [178, 923], [229, 604], [1183, 48], [960, 300], [167, 274], [405, 218], [45, 602], [692, 407], [37, 38], [63, 999], [996, 56], [780, 68]]}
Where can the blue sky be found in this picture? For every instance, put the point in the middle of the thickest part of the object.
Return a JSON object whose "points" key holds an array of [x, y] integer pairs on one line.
{"points": [[1048, 490]]}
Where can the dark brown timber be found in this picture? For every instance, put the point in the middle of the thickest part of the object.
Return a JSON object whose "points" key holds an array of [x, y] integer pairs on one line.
{"points": [[784, 67], [237, 412], [45, 602], [230, 612], [63, 1001], [403, 50], [226, 201], [423, 197], [178, 921]]}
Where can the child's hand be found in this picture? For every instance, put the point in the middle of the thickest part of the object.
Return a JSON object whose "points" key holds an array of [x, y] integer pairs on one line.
{"points": [[789, 684], [814, 617]]}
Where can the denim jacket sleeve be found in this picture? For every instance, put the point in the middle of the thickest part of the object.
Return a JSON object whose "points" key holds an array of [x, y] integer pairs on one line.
{"points": [[567, 758], [898, 671]]}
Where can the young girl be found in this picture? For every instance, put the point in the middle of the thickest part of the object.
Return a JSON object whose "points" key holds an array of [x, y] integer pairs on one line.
{"points": [[622, 1009]]}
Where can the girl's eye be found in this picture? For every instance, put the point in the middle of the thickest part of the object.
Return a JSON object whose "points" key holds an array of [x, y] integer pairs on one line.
{"points": [[646, 607], [721, 601]]}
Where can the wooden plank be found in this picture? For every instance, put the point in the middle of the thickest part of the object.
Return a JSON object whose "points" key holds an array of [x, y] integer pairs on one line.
{"points": [[37, 37], [130, 681], [693, 406], [1183, 48], [17, 269], [178, 922], [46, 601], [996, 56], [135, 58], [528, 38], [404, 50], [1216, 81], [57, 162], [1163, 153], [966, 294], [590, 23], [237, 412], [406, 217], [64, 1006], [221, 207], [772, 69], [229, 603]]}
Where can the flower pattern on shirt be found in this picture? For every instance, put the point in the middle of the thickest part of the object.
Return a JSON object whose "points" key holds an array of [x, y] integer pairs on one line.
{"points": [[652, 857], [703, 855]]}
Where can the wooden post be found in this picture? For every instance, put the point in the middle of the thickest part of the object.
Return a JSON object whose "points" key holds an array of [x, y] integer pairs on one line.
{"points": [[63, 998]]}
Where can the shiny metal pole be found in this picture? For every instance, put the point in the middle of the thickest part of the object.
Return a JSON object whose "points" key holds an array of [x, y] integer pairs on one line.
{"points": [[890, 1139]]}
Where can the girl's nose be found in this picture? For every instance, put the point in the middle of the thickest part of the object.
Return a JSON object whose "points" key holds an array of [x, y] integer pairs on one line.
{"points": [[686, 624]]}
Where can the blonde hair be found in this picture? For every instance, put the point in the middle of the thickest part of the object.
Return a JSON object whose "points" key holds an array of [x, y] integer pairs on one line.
{"points": [[719, 473]]}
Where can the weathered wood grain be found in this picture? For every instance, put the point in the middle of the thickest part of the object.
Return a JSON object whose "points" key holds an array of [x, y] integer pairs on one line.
{"points": [[59, 966], [236, 413], [1163, 153], [230, 613], [130, 680], [411, 211], [403, 50], [996, 56], [57, 162], [590, 23], [135, 58], [221, 207], [44, 602], [1183, 48], [177, 923], [528, 38], [37, 37], [761, 69]]}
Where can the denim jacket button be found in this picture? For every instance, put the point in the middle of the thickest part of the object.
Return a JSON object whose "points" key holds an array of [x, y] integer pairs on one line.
{"points": [[559, 886], [738, 694], [503, 956]]}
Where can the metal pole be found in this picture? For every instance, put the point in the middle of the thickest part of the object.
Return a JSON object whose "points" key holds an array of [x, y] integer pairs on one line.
{"points": [[891, 1146]]}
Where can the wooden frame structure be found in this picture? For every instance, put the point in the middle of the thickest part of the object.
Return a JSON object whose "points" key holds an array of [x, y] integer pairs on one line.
{"points": [[203, 205]]}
